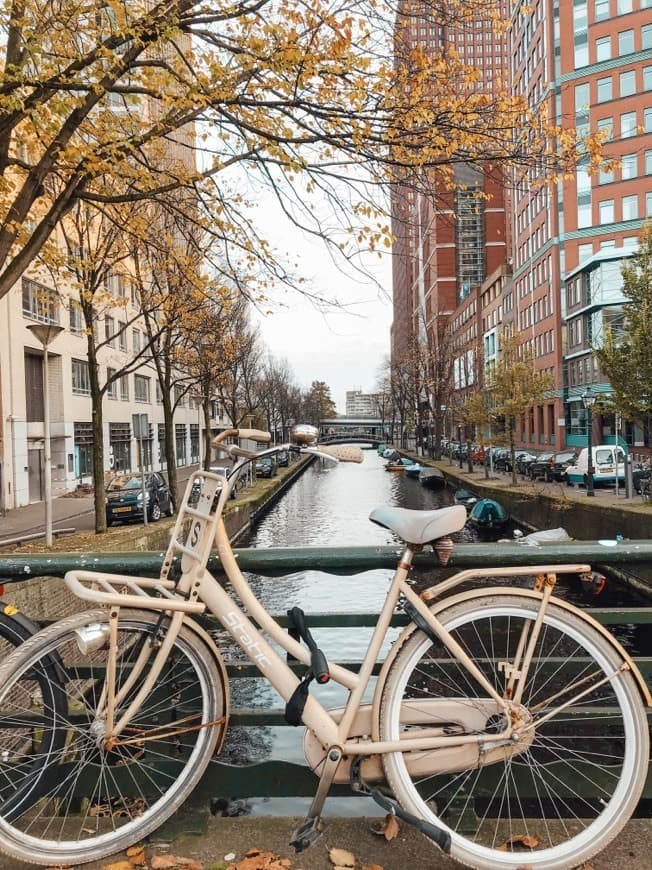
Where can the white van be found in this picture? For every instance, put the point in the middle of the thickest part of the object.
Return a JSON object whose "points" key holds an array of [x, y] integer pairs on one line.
{"points": [[604, 465]]}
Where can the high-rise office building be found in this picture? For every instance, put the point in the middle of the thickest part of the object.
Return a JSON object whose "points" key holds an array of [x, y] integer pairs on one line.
{"points": [[588, 63]]}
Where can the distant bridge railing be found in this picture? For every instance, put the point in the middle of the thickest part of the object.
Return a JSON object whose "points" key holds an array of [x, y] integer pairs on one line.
{"points": [[272, 778]]}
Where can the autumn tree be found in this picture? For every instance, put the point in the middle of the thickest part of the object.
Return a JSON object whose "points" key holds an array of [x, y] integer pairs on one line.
{"points": [[278, 396], [515, 384], [318, 404], [299, 96], [94, 263], [626, 354]]}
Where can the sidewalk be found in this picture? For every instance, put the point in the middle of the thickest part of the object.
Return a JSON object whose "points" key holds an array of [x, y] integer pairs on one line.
{"points": [[220, 837]]}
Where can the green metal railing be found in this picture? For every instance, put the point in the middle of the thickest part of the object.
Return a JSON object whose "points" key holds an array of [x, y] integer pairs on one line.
{"points": [[282, 779]]}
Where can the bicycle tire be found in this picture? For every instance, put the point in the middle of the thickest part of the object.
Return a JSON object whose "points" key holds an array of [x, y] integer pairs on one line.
{"points": [[91, 801], [485, 806], [15, 629]]}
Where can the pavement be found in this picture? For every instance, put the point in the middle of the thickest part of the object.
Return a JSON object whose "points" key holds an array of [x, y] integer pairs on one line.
{"points": [[224, 841]]}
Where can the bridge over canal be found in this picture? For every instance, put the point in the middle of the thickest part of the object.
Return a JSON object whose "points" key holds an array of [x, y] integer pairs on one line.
{"points": [[344, 430]]}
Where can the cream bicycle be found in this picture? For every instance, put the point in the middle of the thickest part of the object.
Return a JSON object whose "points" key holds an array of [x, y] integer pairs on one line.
{"points": [[505, 725]]}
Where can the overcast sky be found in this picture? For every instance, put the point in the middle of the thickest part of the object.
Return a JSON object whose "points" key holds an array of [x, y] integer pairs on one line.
{"points": [[344, 348]]}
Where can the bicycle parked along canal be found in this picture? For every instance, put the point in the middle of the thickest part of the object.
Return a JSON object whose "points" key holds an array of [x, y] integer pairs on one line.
{"points": [[506, 725]]}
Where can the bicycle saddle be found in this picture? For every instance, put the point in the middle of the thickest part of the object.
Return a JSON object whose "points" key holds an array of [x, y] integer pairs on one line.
{"points": [[420, 527]]}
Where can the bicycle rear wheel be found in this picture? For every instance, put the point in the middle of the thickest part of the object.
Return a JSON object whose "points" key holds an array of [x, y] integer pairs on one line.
{"points": [[567, 789], [88, 801]]}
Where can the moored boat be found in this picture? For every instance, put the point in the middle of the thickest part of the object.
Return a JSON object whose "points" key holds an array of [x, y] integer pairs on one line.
{"points": [[391, 454], [399, 464], [432, 478], [413, 470], [465, 497], [488, 515]]}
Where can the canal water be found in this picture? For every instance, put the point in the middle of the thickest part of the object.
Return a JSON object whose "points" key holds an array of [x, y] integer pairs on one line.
{"points": [[329, 505]]}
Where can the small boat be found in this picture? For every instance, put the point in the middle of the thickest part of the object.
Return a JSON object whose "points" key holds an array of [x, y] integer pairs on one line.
{"points": [[381, 449], [413, 470], [399, 464], [545, 536], [391, 454], [463, 496], [432, 478], [488, 515]]}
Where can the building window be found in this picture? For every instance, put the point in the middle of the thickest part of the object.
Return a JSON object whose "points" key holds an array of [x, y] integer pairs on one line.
{"points": [[194, 443], [648, 204], [124, 388], [630, 207], [647, 120], [159, 393], [120, 446], [122, 335], [83, 442], [136, 340], [647, 78], [605, 176], [112, 385], [109, 330], [627, 83], [161, 445], [624, 6], [141, 388], [180, 443], [646, 36], [606, 126], [628, 125], [470, 240], [584, 215], [626, 42], [603, 48], [584, 252], [605, 90], [606, 211], [81, 380], [39, 302], [648, 162], [76, 318], [628, 166], [601, 10]]}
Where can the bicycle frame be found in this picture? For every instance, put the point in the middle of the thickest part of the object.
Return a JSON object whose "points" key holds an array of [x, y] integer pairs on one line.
{"points": [[198, 590]]}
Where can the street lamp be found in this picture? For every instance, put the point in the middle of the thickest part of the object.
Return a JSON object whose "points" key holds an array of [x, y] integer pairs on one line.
{"points": [[46, 333], [588, 400]]}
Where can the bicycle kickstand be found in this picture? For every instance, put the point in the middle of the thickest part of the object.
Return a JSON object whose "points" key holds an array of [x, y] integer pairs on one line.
{"points": [[359, 786], [312, 827]]}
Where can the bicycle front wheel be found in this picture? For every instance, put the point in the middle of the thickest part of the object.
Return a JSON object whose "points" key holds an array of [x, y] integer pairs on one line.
{"points": [[575, 777], [74, 799]]}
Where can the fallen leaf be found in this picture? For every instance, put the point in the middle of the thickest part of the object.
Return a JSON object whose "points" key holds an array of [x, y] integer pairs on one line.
{"points": [[254, 859], [341, 858], [190, 863], [136, 855], [527, 840], [117, 865], [388, 828], [163, 862], [371, 867]]}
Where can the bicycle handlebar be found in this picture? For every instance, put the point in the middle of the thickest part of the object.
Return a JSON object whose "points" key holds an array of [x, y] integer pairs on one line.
{"points": [[251, 434]]}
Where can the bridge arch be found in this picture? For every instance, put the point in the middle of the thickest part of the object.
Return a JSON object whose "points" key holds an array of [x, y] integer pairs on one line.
{"points": [[346, 430]]}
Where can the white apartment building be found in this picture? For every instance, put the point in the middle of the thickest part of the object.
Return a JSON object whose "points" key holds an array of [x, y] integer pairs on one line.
{"points": [[21, 401], [359, 404]]}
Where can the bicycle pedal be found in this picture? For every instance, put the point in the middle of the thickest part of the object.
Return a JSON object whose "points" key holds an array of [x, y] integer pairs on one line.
{"points": [[307, 834]]}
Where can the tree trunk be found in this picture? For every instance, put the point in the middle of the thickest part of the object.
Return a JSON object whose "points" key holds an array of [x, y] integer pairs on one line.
{"points": [[170, 451], [512, 452], [469, 457], [99, 498], [206, 408]]}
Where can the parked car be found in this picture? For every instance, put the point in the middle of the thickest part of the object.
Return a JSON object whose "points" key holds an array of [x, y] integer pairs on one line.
{"points": [[266, 467], [605, 457], [560, 463], [540, 465], [523, 460], [283, 458], [478, 455], [124, 497]]}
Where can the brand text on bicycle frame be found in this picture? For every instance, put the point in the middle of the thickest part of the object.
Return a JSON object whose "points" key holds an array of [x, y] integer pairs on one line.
{"points": [[233, 621]]}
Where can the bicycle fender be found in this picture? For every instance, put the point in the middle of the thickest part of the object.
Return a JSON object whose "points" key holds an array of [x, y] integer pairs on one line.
{"points": [[440, 606], [23, 622], [221, 667]]}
